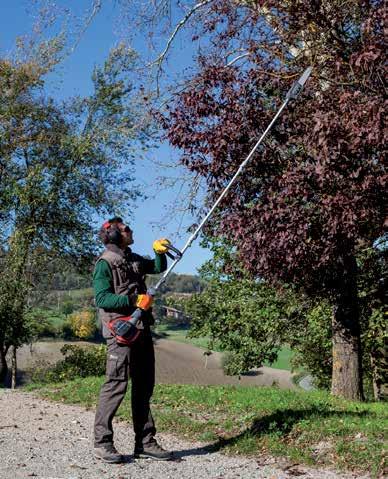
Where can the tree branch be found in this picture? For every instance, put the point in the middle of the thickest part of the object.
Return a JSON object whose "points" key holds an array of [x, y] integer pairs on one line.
{"points": [[239, 57], [95, 10], [179, 25]]}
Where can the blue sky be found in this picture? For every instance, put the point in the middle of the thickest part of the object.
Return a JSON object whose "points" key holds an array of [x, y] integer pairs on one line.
{"points": [[73, 77]]}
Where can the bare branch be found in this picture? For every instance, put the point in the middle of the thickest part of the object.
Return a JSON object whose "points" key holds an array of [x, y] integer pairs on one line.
{"points": [[95, 9], [239, 57], [179, 25], [188, 191]]}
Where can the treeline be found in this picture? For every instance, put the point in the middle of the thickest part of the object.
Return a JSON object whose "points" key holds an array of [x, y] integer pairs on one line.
{"points": [[62, 275], [180, 283]]}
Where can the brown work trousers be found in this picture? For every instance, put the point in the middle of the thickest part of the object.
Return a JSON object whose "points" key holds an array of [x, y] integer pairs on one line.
{"points": [[138, 363]]}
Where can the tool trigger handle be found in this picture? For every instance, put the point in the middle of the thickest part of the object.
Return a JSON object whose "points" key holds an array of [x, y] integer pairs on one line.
{"points": [[177, 255]]}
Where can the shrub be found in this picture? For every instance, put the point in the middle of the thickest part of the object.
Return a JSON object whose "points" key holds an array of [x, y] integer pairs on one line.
{"points": [[45, 322], [312, 344], [67, 330], [67, 307], [83, 324], [228, 364]]}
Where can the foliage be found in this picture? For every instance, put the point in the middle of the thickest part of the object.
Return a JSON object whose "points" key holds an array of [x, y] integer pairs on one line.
{"points": [[315, 195], [59, 164], [272, 318], [318, 187], [68, 301], [313, 428], [12, 291], [62, 276], [53, 323], [79, 361], [247, 318], [83, 324], [14, 329], [47, 323], [228, 363], [373, 300], [312, 344], [67, 307]]}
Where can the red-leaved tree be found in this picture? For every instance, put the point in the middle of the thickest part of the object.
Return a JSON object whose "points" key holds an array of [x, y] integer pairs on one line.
{"points": [[316, 193]]}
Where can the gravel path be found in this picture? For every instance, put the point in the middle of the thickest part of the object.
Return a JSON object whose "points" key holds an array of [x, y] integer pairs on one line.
{"points": [[47, 440]]}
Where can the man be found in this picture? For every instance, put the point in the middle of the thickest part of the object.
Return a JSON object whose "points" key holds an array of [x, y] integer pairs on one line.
{"points": [[119, 285]]}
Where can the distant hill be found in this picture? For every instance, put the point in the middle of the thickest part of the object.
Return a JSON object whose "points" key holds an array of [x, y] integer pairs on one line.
{"points": [[179, 283]]}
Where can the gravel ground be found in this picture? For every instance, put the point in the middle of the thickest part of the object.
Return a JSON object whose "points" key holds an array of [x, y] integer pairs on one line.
{"points": [[47, 440]]}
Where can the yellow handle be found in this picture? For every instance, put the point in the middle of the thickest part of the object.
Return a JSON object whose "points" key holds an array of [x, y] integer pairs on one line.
{"points": [[161, 245]]}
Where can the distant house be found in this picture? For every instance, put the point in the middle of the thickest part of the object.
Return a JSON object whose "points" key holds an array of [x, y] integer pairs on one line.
{"points": [[179, 317]]}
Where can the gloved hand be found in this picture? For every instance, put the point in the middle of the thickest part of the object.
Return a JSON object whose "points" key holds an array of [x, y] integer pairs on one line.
{"points": [[161, 245], [144, 301]]}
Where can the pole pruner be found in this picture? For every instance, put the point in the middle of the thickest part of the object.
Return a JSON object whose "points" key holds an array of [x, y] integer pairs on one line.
{"points": [[129, 329]]}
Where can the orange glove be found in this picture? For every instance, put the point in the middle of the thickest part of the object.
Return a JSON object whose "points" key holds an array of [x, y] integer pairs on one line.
{"points": [[144, 301]]}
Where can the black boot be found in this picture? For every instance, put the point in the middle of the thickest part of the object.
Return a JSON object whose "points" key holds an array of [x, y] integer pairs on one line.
{"points": [[152, 450], [108, 453]]}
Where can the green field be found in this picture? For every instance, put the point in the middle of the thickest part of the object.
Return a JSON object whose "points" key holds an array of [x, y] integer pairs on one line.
{"points": [[283, 361], [312, 428], [180, 334]]}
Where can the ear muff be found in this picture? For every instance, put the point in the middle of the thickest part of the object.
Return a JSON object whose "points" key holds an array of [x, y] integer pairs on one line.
{"points": [[113, 232]]}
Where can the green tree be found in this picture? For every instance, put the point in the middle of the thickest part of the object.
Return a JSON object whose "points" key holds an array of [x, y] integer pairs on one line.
{"points": [[60, 164], [311, 342], [252, 320], [373, 280], [247, 317]]}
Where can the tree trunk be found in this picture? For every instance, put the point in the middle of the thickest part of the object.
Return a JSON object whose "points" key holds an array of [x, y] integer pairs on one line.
{"points": [[347, 373], [3, 362], [13, 367]]}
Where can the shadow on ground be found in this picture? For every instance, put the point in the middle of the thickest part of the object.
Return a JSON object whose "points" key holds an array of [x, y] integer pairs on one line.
{"points": [[281, 421]]}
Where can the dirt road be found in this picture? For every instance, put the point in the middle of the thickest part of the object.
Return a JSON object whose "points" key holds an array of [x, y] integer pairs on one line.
{"points": [[176, 363]]}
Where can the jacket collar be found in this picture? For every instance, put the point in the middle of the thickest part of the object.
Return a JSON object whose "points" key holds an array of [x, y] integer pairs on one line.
{"points": [[115, 249]]}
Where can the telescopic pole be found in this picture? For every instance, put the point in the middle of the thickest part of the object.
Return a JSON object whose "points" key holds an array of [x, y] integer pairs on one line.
{"points": [[291, 95]]}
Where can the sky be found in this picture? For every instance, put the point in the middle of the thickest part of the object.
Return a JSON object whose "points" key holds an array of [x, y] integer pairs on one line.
{"points": [[149, 220]]}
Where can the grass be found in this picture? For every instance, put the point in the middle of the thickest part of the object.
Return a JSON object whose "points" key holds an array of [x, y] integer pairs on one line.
{"points": [[283, 361], [312, 428], [179, 333]]}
